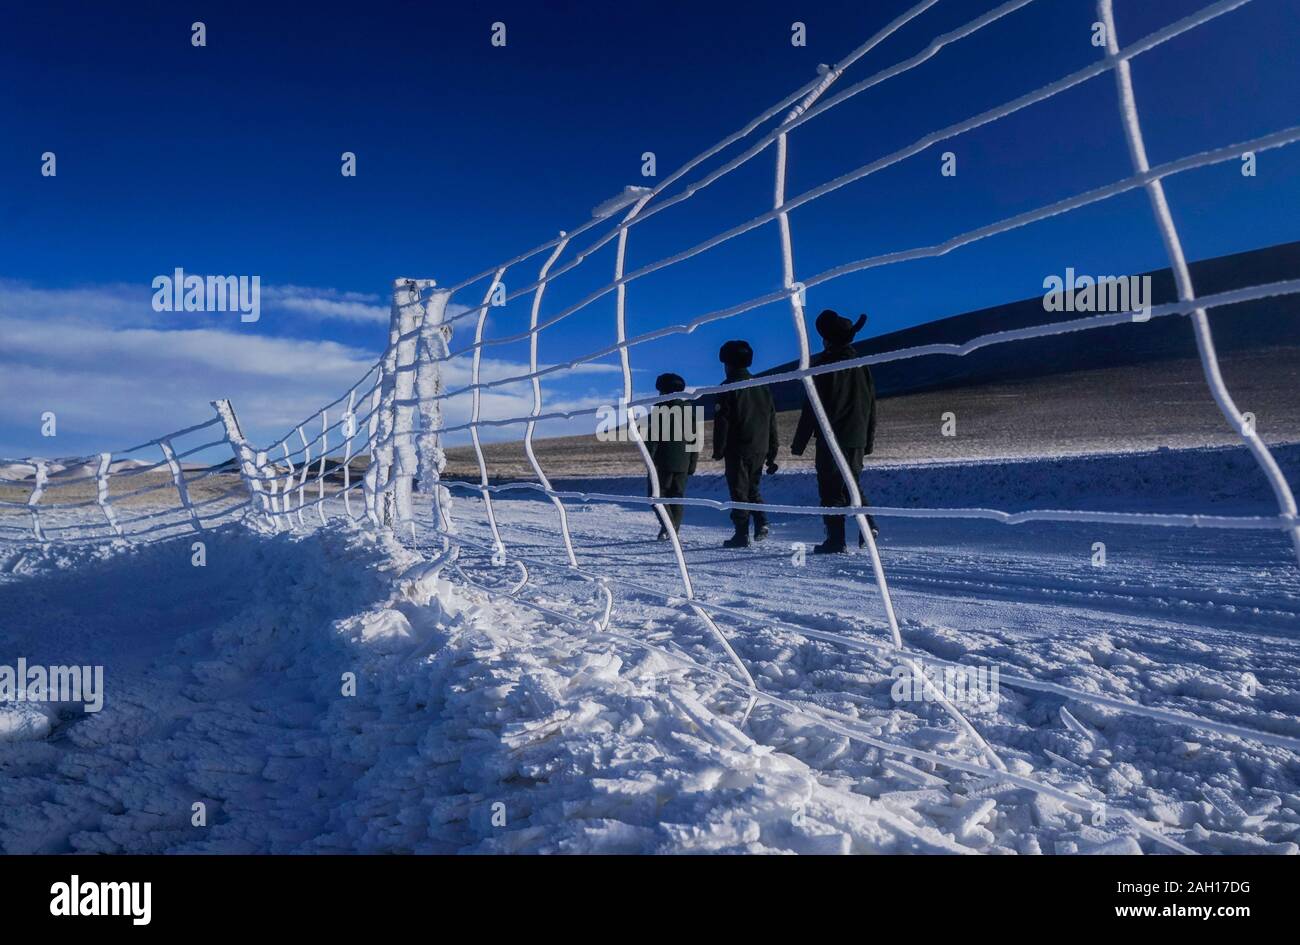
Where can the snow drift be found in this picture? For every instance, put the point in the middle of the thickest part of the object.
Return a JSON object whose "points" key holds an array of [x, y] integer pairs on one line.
{"points": [[474, 726]]}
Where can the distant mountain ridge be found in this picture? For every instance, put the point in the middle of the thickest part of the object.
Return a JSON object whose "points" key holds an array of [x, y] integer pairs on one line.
{"points": [[1263, 323]]}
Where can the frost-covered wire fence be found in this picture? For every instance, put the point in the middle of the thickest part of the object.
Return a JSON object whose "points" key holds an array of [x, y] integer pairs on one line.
{"points": [[116, 496], [806, 105], [365, 455], [1146, 177], [640, 204], [125, 496], [355, 457]]}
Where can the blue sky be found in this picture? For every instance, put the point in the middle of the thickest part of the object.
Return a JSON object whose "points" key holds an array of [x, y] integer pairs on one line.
{"points": [[226, 160]]}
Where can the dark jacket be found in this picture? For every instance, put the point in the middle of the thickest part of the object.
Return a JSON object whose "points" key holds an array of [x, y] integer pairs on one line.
{"points": [[666, 438], [744, 421], [849, 397]]}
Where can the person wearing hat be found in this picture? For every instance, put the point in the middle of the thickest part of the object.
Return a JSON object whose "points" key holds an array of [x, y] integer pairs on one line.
{"points": [[744, 438], [849, 397], [669, 439]]}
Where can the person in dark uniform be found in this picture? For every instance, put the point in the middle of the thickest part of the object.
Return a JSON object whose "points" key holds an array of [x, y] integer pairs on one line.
{"points": [[744, 438], [674, 444], [849, 397]]}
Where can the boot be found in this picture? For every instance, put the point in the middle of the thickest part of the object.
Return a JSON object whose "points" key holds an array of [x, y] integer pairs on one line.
{"points": [[663, 533], [834, 543], [738, 540], [760, 531]]}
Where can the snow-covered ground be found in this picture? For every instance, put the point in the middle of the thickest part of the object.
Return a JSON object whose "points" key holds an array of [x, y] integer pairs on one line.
{"points": [[486, 724]]}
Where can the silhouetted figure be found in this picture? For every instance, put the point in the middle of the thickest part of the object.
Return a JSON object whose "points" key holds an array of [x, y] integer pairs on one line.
{"points": [[744, 437], [849, 397], [669, 437]]}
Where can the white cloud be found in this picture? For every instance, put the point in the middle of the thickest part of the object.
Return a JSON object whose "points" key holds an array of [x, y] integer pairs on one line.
{"points": [[115, 374], [121, 303], [130, 304], [327, 303]]}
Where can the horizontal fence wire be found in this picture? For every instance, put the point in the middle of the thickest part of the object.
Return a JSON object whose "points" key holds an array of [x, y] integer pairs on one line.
{"points": [[1216, 300], [1145, 45]]}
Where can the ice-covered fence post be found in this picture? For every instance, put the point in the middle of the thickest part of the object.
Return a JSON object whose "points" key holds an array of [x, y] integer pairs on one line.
{"points": [[349, 431], [272, 487], [408, 312], [306, 468], [246, 458], [101, 492], [38, 488], [432, 351], [370, 480], [379, 483], [178, 477], [320, 473], [381, 449], [288, 484]]}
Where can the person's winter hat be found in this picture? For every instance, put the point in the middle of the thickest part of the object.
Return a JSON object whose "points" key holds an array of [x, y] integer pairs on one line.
{"points": [[736, 354], [835, 329], [669, 383]]}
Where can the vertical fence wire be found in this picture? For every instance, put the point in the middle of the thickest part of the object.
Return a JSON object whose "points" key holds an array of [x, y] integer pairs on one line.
{"points": [[320, 473], [434, 335], [634, 433], [1182, 275], [302, 478], [378, 504], [537, 399], [290, 475], [827, 435], [371, 475], [349, 434], [476, 408], [831, 442]]}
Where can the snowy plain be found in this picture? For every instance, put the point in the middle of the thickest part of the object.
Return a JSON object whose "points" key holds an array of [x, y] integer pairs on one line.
{"points": [[486, 724]]}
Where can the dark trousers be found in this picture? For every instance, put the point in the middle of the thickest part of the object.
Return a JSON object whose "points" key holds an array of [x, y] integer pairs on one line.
{"points": [[833, 491], [743, 475], [672, 485]]}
